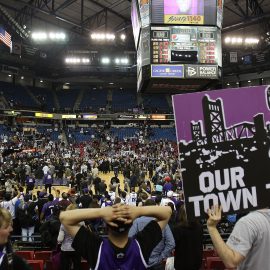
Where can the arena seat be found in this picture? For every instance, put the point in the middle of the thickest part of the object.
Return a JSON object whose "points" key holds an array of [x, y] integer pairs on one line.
{"points": [[85, 265], [214, 263], [36, 264], [26, 254], [43, 255]]}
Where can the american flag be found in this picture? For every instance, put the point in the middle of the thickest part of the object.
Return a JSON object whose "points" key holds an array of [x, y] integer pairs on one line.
{"points": [[5, 37]]}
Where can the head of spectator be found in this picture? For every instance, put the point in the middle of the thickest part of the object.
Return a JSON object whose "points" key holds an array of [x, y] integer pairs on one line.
{"points": [[149, 202], [158, 199], [64, 196], [26, 198], [170, 194], [50, 198]]}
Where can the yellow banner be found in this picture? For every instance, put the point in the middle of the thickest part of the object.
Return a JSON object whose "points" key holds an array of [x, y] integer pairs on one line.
{"points": [[48, 115], [184, 19]]}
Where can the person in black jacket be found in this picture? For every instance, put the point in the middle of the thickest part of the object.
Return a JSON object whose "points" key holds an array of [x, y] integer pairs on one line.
{"points": [[8, 259], [188, 236]]}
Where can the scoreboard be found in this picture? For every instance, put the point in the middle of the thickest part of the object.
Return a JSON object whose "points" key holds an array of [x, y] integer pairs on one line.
{"points": [[177, 39], [184, 44]]}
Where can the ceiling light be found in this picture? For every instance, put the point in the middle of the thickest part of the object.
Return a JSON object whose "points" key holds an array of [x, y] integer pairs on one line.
{"points": [[22, 77], [41, 81], [9, 75], [105, 60], [123, 36], [228, 84], [249, 81]]}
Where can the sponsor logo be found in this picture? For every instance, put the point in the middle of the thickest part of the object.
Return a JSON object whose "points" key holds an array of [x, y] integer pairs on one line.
{"points": [[192, 71], [167, 71], [201, 72]]}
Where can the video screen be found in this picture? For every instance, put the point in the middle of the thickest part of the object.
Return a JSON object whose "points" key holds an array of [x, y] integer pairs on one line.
{"points": [[184, 12], [185, 45]]}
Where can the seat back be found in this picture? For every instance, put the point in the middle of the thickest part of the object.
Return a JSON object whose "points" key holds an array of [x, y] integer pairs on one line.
{"points": [[43, 255], [26, 254], [214, 263], [36, 264]]}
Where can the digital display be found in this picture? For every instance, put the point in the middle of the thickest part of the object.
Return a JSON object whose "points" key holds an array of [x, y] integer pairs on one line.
{"points": [[185, 44], [135, 20], [186, 12]]}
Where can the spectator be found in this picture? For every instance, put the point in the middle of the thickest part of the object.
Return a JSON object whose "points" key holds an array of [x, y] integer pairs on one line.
{"points": [[68, 254], [188, 237], [164, 248], [118, 251], [8, 260], [249, 243]]}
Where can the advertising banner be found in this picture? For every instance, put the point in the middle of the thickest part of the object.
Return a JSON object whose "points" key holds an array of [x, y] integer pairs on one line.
{"points": [[167, 71], [224, 148], [144, 7], [201, 71]]}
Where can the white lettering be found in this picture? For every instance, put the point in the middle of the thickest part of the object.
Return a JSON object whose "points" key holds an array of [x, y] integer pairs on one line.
{"points": [[231, 200], [210, 197], [237, 174], [196, 200], [226, 184], [211, 183], [251, 197]]}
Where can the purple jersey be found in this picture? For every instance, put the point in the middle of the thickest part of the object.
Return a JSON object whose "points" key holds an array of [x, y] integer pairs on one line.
{"points": [[132, 259]]}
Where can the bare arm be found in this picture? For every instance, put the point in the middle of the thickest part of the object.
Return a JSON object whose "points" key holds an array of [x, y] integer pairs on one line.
{"points": [[71, 219], [230, 257]]}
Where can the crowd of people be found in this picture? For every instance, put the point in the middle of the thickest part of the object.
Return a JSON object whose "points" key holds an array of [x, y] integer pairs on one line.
{"points": [[143, 216]]}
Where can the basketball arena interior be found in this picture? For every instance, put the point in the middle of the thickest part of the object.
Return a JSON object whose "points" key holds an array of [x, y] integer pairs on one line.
{"points": [[89, 115]]}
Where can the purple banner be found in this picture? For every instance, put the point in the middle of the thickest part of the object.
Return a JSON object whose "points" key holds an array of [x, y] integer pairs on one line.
{"points": [[224, 148]]}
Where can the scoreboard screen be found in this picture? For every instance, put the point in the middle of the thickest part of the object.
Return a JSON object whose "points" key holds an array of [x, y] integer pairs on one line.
{"points": [[185, 45], [185, 12]]}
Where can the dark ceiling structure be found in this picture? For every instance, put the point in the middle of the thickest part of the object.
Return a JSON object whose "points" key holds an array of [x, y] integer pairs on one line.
{"points": [[79, 18]]}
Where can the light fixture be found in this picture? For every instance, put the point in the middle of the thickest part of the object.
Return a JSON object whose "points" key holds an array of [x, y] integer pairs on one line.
{"points": [[102, 36], [22, 77], [249, 81], [54, 36], [9, 75], [105, 60], [76, 60], [123, 37], [228, 84], [237, 83], [240, 40], [41, 81], [111, 83]]}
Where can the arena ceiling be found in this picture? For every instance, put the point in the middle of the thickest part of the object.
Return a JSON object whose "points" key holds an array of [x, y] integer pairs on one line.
{"points": [[79, 18]]}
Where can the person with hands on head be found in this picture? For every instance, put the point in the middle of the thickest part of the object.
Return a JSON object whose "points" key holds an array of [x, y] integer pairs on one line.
{"points": [[118, 251], [248, 246]]}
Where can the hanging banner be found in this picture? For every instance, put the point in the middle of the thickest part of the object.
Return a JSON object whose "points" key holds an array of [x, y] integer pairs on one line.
{"points": [[224, 147]]}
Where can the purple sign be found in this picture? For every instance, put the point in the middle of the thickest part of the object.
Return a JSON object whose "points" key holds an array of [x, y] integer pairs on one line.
{"points": [[224, 148], [186, 7], [167, 71]]}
